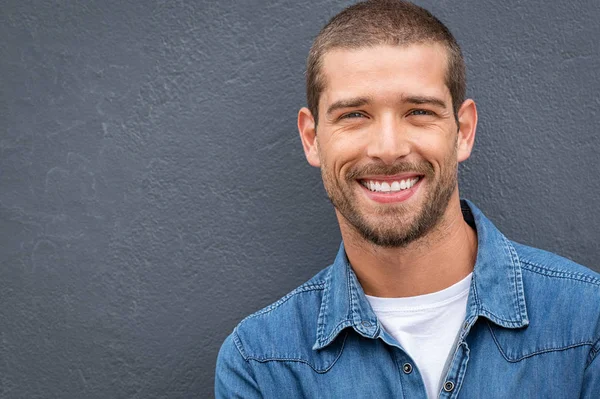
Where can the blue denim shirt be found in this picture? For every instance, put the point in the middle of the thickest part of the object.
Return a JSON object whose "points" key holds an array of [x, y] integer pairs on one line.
{"points": [[532, 330]]}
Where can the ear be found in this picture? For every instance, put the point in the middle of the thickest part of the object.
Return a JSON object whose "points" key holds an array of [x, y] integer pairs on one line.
{"points": [[308, 135], [467, 125]]}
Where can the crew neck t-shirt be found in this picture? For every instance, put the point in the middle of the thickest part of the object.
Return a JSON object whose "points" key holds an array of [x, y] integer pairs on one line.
{"points": [[426, 326]]}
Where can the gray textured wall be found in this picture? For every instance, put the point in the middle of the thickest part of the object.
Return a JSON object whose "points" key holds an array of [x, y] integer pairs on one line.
{"points": [[153, 189]]}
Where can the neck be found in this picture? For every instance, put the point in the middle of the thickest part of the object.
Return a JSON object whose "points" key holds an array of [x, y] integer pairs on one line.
{"points": [[436, 261]]}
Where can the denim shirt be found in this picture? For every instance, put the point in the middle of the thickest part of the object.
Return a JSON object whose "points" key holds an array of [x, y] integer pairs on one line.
{"points": [[532, 330]]}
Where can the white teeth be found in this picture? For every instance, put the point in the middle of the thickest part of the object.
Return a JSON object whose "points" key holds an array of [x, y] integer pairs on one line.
{"points": [[385, 187]]}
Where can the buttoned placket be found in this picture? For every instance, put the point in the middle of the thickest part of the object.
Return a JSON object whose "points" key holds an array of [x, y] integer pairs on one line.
{"points": [[411, 380], [457, 367], [367, 325]]}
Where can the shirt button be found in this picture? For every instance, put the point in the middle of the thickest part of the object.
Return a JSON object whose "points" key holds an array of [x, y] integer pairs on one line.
{"points": [[407, 368], [366, 324], [448, 386]]}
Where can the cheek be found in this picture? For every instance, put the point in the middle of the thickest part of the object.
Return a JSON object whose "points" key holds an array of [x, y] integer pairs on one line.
{"points": [[438, 149], [432, 144], [341, 154]]}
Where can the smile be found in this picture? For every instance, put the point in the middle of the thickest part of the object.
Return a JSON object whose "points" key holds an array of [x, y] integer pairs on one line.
{"points": [[389, 187]]}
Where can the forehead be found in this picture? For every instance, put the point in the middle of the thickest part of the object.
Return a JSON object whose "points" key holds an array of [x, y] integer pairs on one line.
{"points": [[382, 71]]}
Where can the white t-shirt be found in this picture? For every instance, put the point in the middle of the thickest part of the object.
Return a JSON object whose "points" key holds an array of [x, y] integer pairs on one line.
{"points": [[426, 326]]}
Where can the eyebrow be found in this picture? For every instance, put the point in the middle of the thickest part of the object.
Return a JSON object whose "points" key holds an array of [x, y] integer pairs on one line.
{"points": [[419, 100], [347, 103]]}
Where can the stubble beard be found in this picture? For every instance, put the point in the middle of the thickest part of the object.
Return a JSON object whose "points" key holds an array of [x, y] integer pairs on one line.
{"points": [[394, 227]]}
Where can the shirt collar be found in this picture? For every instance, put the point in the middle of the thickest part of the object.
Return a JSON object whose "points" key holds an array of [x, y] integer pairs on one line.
{"points": [[496, 287], [344, 304], [497, 291]]}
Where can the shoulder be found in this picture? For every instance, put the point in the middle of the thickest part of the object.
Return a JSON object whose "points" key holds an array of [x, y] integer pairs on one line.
{"points": [[284, 330], [562, 297], [538, 263], [562, 303], [563, 286]]}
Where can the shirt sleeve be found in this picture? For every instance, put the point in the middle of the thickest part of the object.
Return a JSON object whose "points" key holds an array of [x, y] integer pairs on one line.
{"points": [[234, 377], [591, 379]]}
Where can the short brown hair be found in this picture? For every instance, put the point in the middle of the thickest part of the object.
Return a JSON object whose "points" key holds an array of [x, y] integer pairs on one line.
{"points": [[383, 22]]}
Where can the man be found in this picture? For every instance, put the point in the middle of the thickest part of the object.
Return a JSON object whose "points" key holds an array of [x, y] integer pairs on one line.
{"points": [[426, 298]]}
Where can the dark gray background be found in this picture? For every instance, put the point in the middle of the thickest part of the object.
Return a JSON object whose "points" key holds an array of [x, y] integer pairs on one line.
{"points": [[153, 189]]}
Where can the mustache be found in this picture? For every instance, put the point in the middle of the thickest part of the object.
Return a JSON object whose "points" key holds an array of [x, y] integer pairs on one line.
{"points": [[421, 168]]}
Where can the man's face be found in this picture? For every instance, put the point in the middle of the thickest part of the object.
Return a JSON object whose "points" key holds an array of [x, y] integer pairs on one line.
{"points": [[386, 140]]}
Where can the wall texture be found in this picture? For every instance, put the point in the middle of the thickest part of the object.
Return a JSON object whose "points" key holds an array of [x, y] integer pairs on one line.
{"points": [[153, 189]]}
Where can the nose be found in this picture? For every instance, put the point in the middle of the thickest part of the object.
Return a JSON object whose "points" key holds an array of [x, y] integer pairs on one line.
{"points": [[388, 140]]}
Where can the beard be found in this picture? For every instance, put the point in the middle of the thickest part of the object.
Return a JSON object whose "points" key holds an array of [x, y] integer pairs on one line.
{"points": [[393, 225]]}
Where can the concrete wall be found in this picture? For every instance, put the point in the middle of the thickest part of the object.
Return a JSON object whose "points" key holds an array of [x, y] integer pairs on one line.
{"points": [[153, 189]]}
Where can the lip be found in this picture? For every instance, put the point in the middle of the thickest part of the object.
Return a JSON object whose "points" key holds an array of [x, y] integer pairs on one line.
{"points": [[398, 196], [398, 177]]}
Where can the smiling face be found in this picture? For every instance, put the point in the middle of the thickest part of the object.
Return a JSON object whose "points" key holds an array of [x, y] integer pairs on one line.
{"points": [[387, 141]]}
